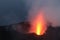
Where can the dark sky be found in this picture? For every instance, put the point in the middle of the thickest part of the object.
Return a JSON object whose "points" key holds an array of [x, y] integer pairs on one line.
{"points": [[14, 11]]}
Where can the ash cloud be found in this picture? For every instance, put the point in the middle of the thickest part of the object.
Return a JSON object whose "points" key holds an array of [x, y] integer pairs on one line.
{"points": [[51, 8], [12, 12]]}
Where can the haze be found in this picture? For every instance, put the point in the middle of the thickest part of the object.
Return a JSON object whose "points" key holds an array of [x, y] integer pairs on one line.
{"points": [[10, 8]]}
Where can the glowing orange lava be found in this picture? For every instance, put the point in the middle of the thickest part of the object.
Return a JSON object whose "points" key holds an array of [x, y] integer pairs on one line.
{"points": [[38, 28], [38, 24]]}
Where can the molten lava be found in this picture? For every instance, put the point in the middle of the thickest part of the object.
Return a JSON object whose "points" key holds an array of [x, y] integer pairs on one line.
{"points": [[38, 25], [38, 28]]}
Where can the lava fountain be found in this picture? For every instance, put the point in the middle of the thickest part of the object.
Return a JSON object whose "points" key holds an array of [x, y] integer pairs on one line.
{"points": [[38, 24]]}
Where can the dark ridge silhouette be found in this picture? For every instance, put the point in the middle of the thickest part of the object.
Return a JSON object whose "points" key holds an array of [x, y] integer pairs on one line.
{"points": [[7, 34]]}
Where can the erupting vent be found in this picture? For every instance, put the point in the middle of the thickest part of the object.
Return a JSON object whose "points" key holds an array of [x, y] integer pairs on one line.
{"points": [[38, 25]]}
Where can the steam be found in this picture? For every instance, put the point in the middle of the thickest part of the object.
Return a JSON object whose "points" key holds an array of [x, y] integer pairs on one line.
{"points": [[35, 11], [37, 21], [51, 7]]}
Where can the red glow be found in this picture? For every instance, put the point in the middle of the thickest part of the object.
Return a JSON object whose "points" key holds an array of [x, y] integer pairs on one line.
{"points": [[38, 24]]}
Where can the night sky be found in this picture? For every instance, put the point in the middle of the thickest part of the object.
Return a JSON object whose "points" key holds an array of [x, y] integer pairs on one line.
{"points": [[15, 11], [12, 11]]}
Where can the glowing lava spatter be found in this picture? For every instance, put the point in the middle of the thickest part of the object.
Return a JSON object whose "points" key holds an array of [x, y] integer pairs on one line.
{"points": [[38, 24], [38, 28]]}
